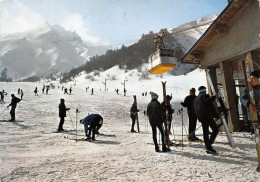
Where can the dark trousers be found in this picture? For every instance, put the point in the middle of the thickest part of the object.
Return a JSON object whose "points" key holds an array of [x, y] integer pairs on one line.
{"points": [[133, 122], [192, 124], [92, 129], [12, 112], [160, 127], [61, 123], [206, 123]]}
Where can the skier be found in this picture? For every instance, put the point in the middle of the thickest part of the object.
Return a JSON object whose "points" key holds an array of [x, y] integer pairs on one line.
{"points": [[133, 114], [244, 98], [21, 94], [168, 108], [188, 102], [62, 114], [92, 91], [94, 121], [124, 92], [205, 111], [65, 91], [70, 90], [155, 115], [3, 93], [18, 91], [47, 89], [35, 91], [43, 89], [13, 103]]}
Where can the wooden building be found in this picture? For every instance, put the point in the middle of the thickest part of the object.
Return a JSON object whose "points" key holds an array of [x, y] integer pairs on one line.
{"points": [[231, 38]]}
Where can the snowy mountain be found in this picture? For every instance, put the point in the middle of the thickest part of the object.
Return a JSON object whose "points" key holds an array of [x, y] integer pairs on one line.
{"points": [[45, 50], [184, 37]]}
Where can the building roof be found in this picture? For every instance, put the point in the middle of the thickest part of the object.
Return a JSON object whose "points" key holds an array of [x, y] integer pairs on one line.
{"points": [[220, 25]]}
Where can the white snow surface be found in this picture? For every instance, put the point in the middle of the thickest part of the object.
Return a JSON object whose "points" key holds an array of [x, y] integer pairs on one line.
{"points": [[32, 151]]}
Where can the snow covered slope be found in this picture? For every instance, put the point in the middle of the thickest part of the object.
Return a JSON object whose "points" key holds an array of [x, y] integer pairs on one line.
{"points": [[32, 151]]}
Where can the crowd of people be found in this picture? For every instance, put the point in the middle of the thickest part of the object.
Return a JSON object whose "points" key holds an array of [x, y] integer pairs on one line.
{"points": [[199, 107]]}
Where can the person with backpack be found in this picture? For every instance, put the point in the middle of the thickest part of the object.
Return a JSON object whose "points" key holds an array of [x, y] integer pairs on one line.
{"points": [[62, 114], [206, 112], [13, 103], [155, 115], [92, 123]]}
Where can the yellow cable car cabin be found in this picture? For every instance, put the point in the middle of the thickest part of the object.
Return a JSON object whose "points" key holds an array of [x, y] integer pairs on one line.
{"points": [[161, 61]]}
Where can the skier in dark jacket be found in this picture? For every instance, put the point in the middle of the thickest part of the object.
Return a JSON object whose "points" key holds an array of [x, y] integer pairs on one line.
{"points": [[22, 94], [13, 103], [188, 102], [62, 114], [92, 123], [133, 114], [205, 112], [35, 91], [3, 93], [65, 91], [244, 98], [155, 115], [168, 111]]}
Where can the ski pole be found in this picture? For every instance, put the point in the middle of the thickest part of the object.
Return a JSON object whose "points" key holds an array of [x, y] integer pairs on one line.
{"points": [[173, 132], [4, 110], [194, 131], [77, 111], [71, 121], [182, 132]]}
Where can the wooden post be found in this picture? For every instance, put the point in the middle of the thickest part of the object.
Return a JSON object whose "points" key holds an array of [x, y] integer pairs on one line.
{"points": [[229, 94]]}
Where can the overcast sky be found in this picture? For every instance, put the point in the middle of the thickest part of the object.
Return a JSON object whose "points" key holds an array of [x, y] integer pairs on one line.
{"points": [[106, 21]]}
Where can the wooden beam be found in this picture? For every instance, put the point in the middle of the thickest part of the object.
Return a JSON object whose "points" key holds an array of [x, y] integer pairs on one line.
{"points": [[197, 55]]}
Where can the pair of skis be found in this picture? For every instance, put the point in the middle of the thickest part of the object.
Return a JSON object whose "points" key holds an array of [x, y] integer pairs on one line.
{"points": [[137, 119], [167, 122]]}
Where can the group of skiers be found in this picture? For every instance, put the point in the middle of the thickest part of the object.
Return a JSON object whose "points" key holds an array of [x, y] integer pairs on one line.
{"points": [[92, 122], [20, 92], [199, 108], [47, 87]]}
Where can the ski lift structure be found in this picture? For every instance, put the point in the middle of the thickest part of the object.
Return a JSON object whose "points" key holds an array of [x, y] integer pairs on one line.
{"points": [[162, 60]]}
